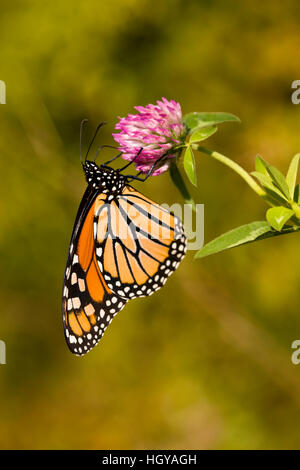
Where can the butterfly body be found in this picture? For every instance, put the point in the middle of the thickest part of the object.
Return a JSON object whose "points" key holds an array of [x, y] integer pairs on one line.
{"points": [[123, 246], [105, 179]]}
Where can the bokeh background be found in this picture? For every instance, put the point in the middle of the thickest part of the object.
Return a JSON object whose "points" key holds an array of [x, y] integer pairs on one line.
{"points": [[205, 363]]}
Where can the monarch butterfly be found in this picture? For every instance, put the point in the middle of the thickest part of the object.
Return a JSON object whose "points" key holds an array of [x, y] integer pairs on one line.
{"points": [[123, 246]]}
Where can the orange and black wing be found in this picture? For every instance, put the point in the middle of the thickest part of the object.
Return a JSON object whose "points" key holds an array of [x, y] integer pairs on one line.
{"points": [[88, 304], [139, 244]]}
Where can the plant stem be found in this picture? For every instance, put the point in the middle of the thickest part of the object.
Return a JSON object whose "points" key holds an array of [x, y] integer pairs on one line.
{"points": [[234, 166], [295, 208]]}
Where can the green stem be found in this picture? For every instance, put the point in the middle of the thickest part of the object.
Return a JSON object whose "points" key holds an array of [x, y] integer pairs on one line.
{"points": [[295, 208], [234, 166]]}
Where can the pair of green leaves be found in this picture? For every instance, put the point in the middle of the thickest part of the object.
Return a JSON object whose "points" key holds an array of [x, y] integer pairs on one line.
{"points": [[280, 191], [200, 126]]}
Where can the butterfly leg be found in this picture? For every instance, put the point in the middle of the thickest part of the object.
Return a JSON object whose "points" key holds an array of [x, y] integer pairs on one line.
{"points": [[136, 177], [112, 159], [131, 161]]}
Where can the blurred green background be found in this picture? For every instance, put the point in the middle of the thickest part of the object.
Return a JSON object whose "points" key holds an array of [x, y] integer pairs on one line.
{"points": [[205, 363]]}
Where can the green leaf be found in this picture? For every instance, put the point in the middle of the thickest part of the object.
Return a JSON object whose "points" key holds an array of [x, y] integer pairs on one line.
{"points": [[202, 134], [279, 180], [266, 181], [273, 198], [235, 237], [278, 216], [189, 165], [297, 194], [291, 176], [242, 235], [275, 233], [195, 120], [260, 165], [180, 185]]}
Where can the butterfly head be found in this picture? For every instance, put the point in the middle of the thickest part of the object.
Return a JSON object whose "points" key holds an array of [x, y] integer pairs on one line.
{"points": [[104, 178]]}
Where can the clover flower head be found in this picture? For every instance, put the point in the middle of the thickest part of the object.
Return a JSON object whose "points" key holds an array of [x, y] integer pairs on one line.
{"points": [[156, 128]]}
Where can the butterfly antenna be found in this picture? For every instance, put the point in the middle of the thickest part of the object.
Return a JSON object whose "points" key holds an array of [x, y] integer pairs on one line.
{"points": [[99, 150], [93, 139], [80, 138], [127, 165]]}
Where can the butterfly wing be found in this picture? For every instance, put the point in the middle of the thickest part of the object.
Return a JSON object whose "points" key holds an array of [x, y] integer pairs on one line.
{"points": [[88, 305], [139, 244]]}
